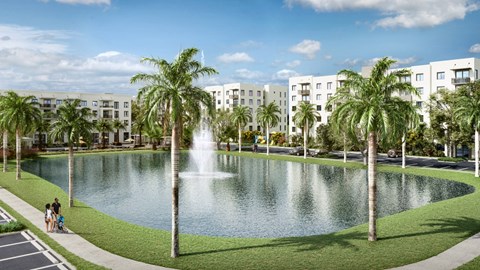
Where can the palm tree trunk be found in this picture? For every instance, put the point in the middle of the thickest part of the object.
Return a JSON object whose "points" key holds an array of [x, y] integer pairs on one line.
{"points": [[477, 146], [70, 175], [344, 148], [268, 143], [372, 187], [404, 151], [5, 148], [18, 152], [239, 139], [305, 132], [175, 157]]}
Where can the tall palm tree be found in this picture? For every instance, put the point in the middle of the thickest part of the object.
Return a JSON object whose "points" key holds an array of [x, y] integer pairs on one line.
{"points": [[369, 103], [268, 117], [22, 113], [222, 126], [171, 88], [104, 126], [304, 118], [467, 113], [241, 115], [138, 118], [72, 122], [117, 124], [4, 127]]}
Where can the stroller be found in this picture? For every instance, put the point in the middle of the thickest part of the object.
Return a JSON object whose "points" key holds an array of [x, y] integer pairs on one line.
{"points": [[61, 225]]}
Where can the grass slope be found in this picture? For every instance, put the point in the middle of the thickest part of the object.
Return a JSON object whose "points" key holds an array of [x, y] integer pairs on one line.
{"points": [[404, 238]]}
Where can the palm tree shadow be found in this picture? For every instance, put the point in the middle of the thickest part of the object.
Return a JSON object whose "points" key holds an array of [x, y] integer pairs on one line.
{"points": [[462, 226], [302, 244]]}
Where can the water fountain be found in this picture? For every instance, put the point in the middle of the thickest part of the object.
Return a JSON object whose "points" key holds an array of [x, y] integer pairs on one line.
{"points": [[203, 160]]}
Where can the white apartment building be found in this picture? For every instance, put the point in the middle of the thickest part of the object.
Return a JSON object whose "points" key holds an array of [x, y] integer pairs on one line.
{"points": [[228, 96], [103, 106], [427, 79]]}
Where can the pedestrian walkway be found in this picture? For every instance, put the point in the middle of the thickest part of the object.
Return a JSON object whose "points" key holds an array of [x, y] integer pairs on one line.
{"points": [[71, 241]]}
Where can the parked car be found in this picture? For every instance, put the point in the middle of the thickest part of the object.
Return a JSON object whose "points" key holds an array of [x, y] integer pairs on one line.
{"points": [[298, 151], [393, 153]]}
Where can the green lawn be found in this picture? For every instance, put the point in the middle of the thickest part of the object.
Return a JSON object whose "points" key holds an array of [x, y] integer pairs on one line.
{"points": [[403, 238]]}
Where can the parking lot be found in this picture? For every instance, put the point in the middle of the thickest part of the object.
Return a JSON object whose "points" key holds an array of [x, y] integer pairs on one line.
{"points": [[23, 250]]}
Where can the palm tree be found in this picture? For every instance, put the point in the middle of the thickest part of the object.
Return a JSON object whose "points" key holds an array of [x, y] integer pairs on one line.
{"points": [[241, 115], [72, 122], [467, 113], [222, 126], [305, 118], [268, 117], [22, 114], [4, 127], [369, 103], [171, 89], [104, 126], [117, 124], [138, 118]]}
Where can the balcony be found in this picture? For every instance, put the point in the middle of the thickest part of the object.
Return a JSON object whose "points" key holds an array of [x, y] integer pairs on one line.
{"points": [[460, 80], [233, 105], [107, 117], [305, 92], [233, 96], [106, 106], [303, 101], [47, 106]]}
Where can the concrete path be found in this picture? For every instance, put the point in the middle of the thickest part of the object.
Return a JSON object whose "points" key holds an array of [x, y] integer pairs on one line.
{"points": [[71, 241], [451, 258]]}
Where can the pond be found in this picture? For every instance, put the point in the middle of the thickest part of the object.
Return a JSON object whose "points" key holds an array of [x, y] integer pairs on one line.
{"points": [[257, 198]]}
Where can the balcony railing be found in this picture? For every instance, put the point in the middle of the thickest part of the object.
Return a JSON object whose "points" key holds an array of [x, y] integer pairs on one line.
{"points": [[460, 80], [47, 105], [107, 116], [233, 96], [305, 92], [303, 101], [233, 105]]}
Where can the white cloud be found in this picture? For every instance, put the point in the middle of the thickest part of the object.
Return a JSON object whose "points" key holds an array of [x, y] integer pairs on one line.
{"points": [[399, 62], [475, 48], [284, 74], [399, 13], [235, 57], [307, 47], [294, 63], [247, 74], [82, 2], [38, 60]]}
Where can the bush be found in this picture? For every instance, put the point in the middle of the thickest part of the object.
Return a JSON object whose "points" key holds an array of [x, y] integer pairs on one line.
{"points": [[451, 159], [11, 226]]}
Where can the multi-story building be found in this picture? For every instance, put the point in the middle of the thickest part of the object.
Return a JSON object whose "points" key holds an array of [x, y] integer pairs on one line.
{"points": [[228, 96], [103, 106], [427, 79]]}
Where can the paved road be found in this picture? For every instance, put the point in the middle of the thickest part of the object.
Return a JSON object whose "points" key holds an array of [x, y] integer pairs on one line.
{"points": [[426, 162]]}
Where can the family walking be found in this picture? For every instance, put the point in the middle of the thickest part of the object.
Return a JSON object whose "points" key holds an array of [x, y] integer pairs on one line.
{"points": [[52, 215]]}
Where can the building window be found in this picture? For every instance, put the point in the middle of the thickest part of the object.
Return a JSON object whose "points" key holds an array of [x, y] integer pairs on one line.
{"points": [[219, 102], [227, 92], [462, 73], [258, 102], [329, 96], [115, 105], [94, 103], [329, 85], [125, 122], [94, 113], [83, 103], [218, 93], [250, 102], [318, 97], [305, 98], [319, 118], [116, 114], [319, 86], [421, 117], [293, 129], [441, 75], [319, 107], [47, 102], [405, 79], [58, 102], [419, 77], [125, 104], [294, 87], [294, 108], [242, 92], [227, 101], [259, 93], [294, 98], [242, 101], [419, 104], [250, 93], [420, 90]]}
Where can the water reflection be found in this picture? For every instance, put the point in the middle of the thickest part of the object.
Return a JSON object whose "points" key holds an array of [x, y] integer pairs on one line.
{"points": [[263, 198]]}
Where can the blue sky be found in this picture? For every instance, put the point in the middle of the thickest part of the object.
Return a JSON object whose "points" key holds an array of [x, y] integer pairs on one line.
{"points": [[96, 45]]}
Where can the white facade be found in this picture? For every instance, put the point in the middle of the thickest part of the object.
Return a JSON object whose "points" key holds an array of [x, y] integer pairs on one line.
{"points": [[228, 96], [427, 79], [103, 106]]}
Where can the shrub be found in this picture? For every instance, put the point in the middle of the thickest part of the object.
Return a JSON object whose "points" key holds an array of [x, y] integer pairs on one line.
{"points": [[11, 226]]}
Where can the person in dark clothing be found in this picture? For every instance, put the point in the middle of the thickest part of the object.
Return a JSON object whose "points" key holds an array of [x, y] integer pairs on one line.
{"points": [[57, 208]]}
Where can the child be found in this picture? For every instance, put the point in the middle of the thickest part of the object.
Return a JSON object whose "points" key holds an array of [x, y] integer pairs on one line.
{"points": [[48, 218]]}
